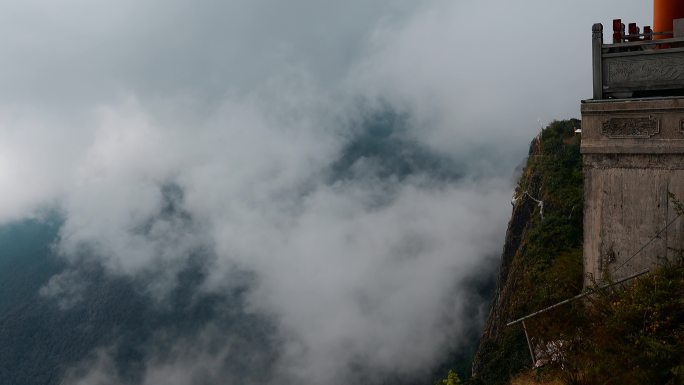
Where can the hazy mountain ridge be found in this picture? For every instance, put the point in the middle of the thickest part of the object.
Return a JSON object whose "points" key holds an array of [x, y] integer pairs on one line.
{"points": [[42, 337], [71, 319]]}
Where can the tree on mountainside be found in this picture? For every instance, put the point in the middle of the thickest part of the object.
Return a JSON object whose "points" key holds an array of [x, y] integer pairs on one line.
{"points": [[452, 379]]}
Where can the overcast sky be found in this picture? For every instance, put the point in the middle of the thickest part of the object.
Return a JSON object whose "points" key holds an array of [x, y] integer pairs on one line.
{"points": [[246, 104]]}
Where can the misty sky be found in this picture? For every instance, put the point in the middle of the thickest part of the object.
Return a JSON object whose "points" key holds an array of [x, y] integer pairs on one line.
{"points": [[248, 107]]}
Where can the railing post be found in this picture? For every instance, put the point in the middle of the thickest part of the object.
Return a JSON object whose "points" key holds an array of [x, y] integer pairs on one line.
{"points": [[648, 33], [529, 345], [633, 31], [618, 29], [597, 51]]}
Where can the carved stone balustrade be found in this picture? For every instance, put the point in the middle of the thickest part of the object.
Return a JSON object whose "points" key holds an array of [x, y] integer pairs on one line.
{"points": [[637, 69]]}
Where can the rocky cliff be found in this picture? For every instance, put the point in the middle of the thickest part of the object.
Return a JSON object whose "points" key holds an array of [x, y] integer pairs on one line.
{"points": [[541, 261]]}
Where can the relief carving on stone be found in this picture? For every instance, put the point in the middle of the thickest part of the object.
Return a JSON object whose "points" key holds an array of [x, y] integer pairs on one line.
{"points": [[631, 127], [647, 69]]}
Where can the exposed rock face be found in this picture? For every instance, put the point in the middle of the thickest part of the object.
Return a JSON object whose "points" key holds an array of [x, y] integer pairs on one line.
{"points": [[500, 312]]}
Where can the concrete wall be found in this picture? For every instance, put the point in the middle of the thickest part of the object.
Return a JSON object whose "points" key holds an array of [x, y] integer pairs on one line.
{"points": [[633, 154]]}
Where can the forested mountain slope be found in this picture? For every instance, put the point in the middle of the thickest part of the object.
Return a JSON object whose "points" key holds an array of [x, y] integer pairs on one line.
{"points": [[626, 334]]}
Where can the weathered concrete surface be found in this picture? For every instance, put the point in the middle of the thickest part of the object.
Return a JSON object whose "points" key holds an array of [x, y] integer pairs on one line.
{"points": [[633, 154]]}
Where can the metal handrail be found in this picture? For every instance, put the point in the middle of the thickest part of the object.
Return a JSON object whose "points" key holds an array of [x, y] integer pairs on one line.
{"points": [[592, 291]]}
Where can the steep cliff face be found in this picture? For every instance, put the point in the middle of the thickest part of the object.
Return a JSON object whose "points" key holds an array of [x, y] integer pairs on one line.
{"points": [[500, 312], [541, 261]]}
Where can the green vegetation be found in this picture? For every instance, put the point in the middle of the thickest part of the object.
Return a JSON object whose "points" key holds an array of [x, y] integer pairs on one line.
{"points": [[451, 379], [631, 335]]}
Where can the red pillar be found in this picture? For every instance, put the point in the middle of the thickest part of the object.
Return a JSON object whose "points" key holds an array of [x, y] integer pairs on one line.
{"points": [[664, 11]]}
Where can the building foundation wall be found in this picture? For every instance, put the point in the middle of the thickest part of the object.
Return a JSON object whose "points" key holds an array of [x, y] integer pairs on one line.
{"points": [[633, 155]]}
